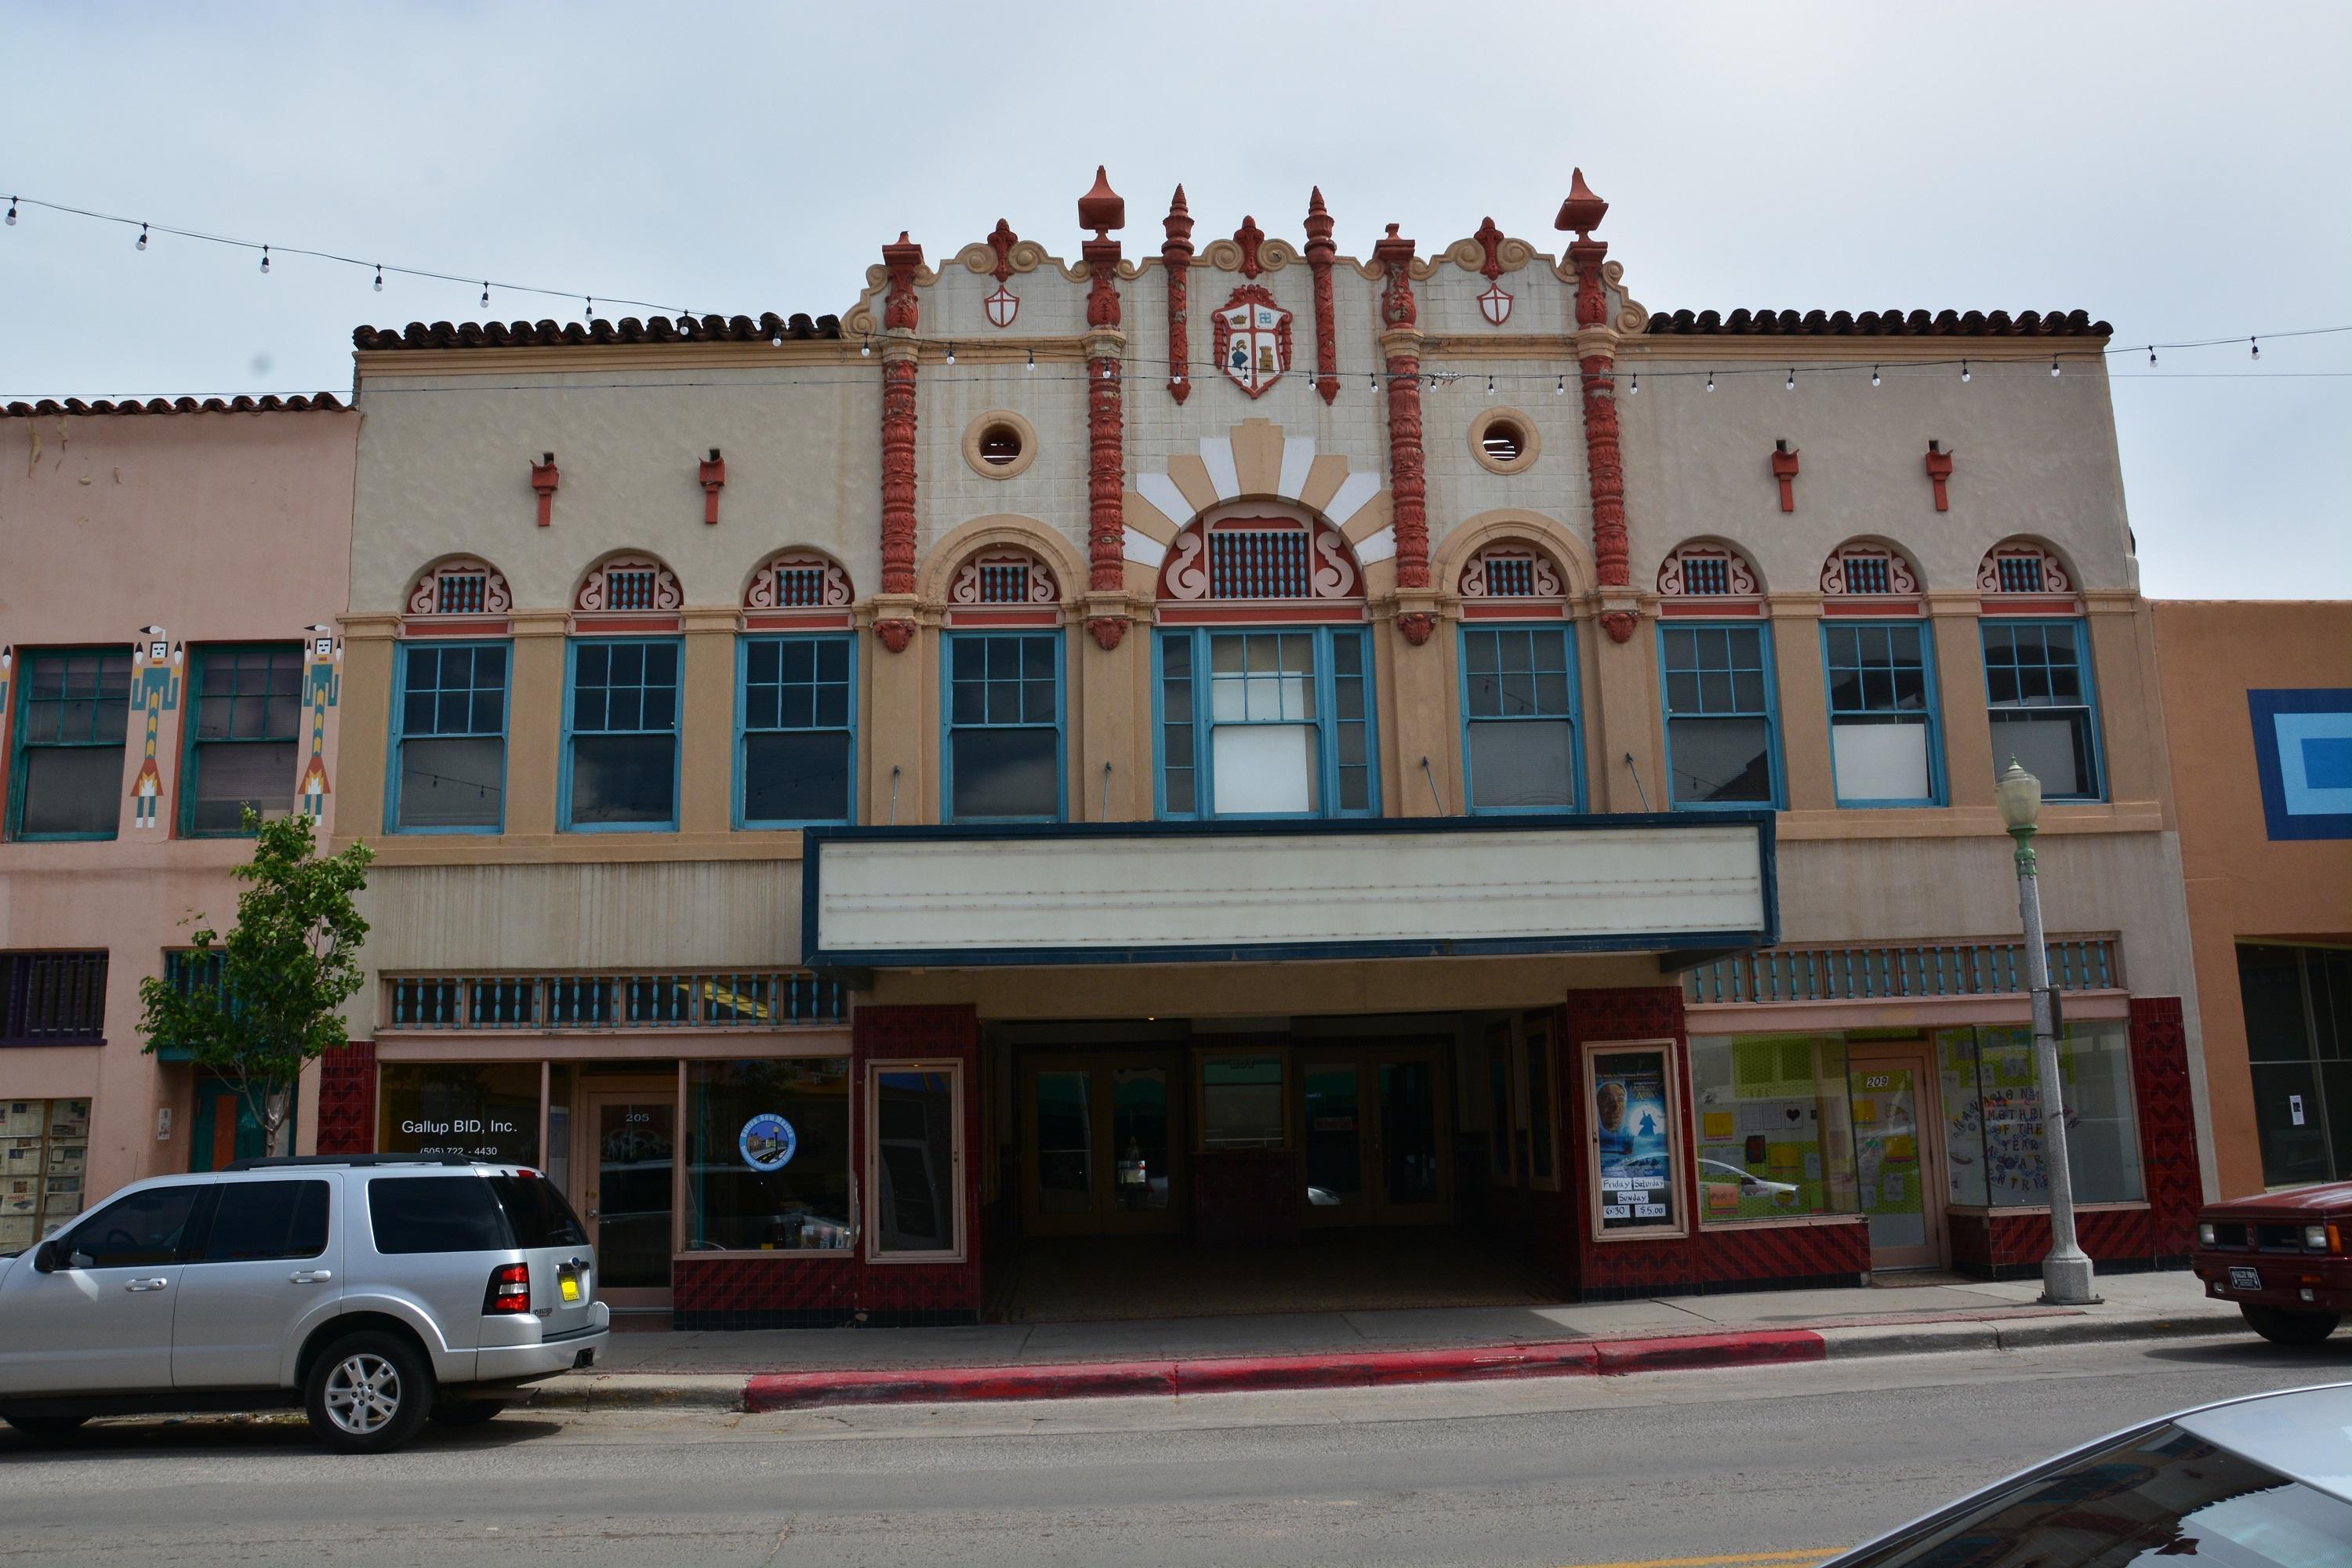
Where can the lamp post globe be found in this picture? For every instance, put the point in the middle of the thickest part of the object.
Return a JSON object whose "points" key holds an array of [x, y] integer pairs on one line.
{"points": [[2066, 1272]]}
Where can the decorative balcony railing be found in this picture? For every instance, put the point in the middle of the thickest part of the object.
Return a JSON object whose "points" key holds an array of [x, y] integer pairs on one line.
{"points": [[753, 1000], [1909, 971]]}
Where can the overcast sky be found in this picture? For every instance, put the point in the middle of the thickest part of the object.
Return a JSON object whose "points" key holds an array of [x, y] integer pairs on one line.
{"points": [[2179, 171]]}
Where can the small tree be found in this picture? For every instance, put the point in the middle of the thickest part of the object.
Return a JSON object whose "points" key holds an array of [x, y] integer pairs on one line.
{"points": [[273, 1001]]}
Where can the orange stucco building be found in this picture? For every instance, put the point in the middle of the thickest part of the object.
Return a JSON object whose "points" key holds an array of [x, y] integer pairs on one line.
{"points": [[2258, 706]]}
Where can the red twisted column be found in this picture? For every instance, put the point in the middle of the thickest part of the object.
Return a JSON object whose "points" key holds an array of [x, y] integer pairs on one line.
{"points": [[1408, 482], [1176, 257], [901, 315], [1597, 376], [1102, 210], [1319, 252]]}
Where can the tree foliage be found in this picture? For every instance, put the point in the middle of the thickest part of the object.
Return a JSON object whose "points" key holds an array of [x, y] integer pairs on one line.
{"points": [[259, 1003]]}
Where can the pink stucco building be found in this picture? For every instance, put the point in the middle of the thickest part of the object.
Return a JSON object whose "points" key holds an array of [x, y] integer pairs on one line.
{"points": [[170, 575]]}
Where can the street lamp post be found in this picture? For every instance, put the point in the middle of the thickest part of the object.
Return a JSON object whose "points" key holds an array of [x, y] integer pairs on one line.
{"points": [[2066, 1274]]}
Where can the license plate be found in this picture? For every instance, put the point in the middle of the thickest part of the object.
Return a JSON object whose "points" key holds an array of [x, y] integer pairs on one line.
{"points": [[2246, 1278], [568, 1283]]}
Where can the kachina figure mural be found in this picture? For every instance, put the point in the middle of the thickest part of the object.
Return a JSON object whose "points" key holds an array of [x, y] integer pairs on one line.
{"points": [[155, 688]]}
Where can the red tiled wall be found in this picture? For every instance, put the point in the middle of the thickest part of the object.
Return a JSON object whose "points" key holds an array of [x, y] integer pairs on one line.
{"points": [[1761, 1254], [749, 1292], [347, 1099], [2168, 1123]]}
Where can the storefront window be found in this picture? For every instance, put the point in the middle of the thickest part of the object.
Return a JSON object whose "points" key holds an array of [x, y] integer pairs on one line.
{"points": [[44, 1149], [1241, 1103], [486, 1109], [1962, 1098], [768, 1155], [2101, 1133], [1774, 1138]]}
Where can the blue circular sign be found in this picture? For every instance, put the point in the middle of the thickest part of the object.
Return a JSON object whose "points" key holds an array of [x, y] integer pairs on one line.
{"points": [[768, 1142]]}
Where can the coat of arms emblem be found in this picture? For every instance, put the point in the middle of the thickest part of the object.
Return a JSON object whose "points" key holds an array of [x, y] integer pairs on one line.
{"points": [[1253, 339]]}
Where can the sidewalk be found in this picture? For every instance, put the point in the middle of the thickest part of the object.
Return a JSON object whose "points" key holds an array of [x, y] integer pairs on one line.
{"points": [[777, 1369]]}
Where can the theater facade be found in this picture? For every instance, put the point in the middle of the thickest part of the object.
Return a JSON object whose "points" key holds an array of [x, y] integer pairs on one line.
{"points": [[1136, 748]]}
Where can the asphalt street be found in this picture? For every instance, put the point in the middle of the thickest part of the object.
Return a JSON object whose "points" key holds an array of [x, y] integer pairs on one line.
{"points": [[1751, 1468]]}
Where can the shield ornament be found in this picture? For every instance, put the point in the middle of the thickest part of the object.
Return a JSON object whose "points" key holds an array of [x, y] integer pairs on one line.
{"points": [[1001, 306], [1253, 339], [1495, 304]]}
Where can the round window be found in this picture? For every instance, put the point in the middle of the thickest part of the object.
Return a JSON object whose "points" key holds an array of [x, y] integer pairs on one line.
{"points": [[1503, 442], [1000, 445]]}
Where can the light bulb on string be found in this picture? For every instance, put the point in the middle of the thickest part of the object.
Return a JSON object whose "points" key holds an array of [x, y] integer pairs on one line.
{"points": [[379, 277], [1562, 390], [865, 349], [264, 258], [1635, 390], [1790, 385], [1490, 385], [486, 293], [2053, 367], [2256, 346], [1964, 370], [1874, 375], [2151, 356], [776, 336], [951, 353], [1033, 359], [1710, 380], [143, 238], [12, 212]]}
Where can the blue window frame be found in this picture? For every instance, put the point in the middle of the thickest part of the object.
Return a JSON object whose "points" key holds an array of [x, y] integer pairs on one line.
{"points": [[1520, 744], [2044, 705], [240, 749], [73, 715], [620, 736], [1886, 748], [1003, 758], [1723, 743], [796, 734], [448, 738], [1271, 722]]}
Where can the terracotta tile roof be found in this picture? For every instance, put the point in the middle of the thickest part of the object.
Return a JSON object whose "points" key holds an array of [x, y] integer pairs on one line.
{"points": [[628, 330], [1879, 324], [270, 403]]}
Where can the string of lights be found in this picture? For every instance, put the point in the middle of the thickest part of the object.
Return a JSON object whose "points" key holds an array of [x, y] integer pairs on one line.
{"points": [[1143, 371]]}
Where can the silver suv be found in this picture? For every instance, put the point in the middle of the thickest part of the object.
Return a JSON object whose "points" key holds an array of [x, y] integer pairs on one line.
{"points": [[374, 1291]]}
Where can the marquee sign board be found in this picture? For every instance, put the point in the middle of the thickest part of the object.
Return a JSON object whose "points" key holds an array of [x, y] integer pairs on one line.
{"points": [[1188, 892]]}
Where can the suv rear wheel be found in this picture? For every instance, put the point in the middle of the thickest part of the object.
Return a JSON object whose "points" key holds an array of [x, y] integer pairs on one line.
{"points": [[2281, 1326], [368, 1393]]}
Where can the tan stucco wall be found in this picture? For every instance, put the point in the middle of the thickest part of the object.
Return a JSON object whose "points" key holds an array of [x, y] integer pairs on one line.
{"points": [[2242, 884], [222, 527]]}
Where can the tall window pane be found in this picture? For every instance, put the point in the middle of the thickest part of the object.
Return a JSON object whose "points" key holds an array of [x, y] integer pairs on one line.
{"points": [[623, 741], [796, 729], [2038, 691], [768, 1155], [1004, 730], [70, 728], [1265, 723], [248, 708], [1519, 718], [1718, 716], [450, 732], [1882, 713]]}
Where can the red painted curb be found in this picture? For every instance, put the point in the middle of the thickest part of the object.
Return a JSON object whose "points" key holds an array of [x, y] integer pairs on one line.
{"points": [[932, 1385], [1688, 1350]]}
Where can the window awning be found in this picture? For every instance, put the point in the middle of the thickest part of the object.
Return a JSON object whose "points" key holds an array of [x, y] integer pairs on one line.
{"points": [[1260, 891]]}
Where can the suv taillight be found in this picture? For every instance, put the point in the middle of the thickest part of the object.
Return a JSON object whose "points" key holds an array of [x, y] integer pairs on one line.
{"points": [[509, 1289]]}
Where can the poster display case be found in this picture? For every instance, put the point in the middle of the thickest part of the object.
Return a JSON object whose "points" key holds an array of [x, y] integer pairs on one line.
{"points": [[44, 1148], [1633, 1155]]}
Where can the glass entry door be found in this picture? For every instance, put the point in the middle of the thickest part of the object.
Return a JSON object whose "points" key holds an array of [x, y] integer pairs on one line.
{"points": [[1100, 1142], [1891, 1089], [627, 1170], [1374, 1129]]}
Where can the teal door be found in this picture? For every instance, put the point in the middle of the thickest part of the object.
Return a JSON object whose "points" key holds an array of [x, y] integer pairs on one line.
{"points": [[225, 1127]]}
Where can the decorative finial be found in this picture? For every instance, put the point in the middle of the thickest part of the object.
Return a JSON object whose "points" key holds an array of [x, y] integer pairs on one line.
{"points": [[1583, 211], [1102, 209]]}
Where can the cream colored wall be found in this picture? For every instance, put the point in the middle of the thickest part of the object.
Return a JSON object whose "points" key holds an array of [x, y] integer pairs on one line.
{"points": [[219, 528]]}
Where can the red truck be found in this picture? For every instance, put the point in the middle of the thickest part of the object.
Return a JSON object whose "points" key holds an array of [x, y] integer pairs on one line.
{"points": [[2281, 1256]]}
